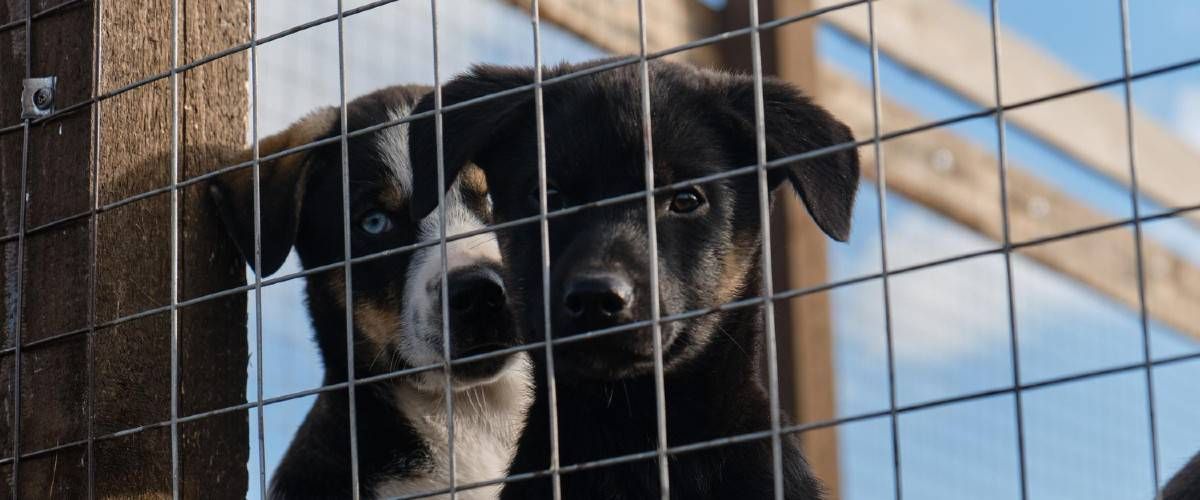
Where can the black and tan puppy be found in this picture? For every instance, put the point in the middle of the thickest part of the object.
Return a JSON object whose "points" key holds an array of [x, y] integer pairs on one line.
{"points": [[402, 422], [708, 254]]}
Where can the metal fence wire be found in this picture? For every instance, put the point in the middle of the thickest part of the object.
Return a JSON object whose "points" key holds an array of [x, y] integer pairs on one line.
{"points": [[765, 300]]}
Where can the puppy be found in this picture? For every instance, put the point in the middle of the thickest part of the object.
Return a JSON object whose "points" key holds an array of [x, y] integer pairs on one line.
{"points": [[402, 422], [1186, 483], [708, 237]]}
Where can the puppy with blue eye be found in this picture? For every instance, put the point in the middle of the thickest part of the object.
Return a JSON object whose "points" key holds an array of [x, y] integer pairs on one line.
{"points": [[402, 422]]}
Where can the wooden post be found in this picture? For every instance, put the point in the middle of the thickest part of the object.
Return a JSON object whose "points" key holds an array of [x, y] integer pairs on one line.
{"points": [[805, 342], [77, 390], [810, 343]]}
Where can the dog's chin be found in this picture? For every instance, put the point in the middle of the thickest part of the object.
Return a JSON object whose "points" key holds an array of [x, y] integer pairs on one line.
{"points": [[612, 357], [601, 371], [481, 372], [466, 376]]}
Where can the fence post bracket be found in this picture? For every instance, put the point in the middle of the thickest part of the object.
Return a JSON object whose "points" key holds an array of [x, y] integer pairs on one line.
{"points": [[37, 97]]}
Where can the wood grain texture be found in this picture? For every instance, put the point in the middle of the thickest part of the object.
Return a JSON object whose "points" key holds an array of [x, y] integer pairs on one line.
{"points": [[212, 346], [51, 292], [129, 367], [806, 331]]}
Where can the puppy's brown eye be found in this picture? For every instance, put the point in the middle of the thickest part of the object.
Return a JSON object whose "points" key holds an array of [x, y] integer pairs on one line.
{"points": [[686, 201]]}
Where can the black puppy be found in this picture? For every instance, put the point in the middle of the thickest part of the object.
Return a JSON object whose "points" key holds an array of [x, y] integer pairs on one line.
{"points": [[708, 254], [402, 422], [1186, 483]]}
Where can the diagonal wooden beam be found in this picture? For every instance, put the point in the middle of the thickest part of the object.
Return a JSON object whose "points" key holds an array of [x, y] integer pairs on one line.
{"points": [[1104, 261], [613, 24], [950, 44]]}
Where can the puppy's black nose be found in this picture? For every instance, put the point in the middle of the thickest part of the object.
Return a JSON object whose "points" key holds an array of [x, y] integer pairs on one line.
{"points": [[479, 319], [598, 298], [475, 292]]}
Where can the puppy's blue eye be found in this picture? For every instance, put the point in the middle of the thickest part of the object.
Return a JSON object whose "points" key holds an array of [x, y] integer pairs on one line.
{"points": [[375, 222]]}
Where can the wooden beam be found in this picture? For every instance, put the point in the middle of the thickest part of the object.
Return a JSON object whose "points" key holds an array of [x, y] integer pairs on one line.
{"points": [[963, 192], [805, 326], [133, 253], [96, 269], [612, 25], [950, 44]]}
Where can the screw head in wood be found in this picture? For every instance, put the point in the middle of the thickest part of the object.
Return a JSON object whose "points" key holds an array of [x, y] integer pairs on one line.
{"points": [[43, 97]]}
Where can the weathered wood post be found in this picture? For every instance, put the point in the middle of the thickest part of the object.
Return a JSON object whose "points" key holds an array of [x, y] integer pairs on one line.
{"points": [[87, 272], [807, 380]]}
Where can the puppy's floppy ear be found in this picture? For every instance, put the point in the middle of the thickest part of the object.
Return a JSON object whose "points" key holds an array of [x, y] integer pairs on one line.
{"points": [[827, 183], [282, 183], [466, 132]]}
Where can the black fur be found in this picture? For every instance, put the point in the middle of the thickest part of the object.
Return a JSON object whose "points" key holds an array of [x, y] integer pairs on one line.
{"points": [[1186, 483], [703, 124]]}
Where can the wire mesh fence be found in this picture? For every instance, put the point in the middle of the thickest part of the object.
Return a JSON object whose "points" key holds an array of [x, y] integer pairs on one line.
{"points": [[28, 19]]}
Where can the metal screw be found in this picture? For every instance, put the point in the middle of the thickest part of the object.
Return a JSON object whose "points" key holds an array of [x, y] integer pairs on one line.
{"points": [[1038, 206], [942, 161], [42, 97], [37, 97]]}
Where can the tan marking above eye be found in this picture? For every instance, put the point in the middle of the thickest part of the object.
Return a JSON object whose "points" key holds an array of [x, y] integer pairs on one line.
{"points": [[472, 179], [391, 198]]}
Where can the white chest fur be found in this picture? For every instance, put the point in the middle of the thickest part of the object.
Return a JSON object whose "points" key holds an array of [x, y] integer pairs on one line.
{"points": [[488, 420]]}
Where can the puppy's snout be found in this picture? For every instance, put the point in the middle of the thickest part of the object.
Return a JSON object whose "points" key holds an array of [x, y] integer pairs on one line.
{"points": [[480, 320], [475, 293], [598, 299]]}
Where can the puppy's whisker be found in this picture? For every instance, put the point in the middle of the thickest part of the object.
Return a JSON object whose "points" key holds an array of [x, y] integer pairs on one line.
{"points": [[490, 239], [477, 401], [394, 360], [628, 403], [375, 358], [731, 339]]}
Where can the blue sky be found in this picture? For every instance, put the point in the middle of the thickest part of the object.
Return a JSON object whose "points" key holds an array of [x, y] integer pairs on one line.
{"points": [[1083, 440]]}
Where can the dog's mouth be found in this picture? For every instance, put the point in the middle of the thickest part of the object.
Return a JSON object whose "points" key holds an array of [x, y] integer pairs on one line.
{"points": [[482, 349], [615, 355], [475, 363]]}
